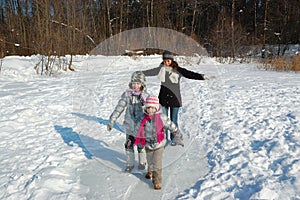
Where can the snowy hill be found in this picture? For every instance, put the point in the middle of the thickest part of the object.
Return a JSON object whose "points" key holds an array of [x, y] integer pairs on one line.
{"points": [[241, 132]]}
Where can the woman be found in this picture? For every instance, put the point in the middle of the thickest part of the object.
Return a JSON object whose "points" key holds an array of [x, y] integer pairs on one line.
{"points": [[170, 75]]}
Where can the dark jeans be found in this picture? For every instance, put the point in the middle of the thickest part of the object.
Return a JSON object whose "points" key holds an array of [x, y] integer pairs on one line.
{"points": [[173, 115]]}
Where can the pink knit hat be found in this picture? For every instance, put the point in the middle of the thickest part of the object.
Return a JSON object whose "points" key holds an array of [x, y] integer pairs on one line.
{"points": [[152, 101]]}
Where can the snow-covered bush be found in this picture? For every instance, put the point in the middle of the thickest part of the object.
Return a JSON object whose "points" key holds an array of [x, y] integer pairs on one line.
{"points": [[49, 65]]}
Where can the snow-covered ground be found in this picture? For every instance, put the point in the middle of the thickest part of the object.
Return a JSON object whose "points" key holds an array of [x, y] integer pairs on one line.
{"points": [[241, 132]]}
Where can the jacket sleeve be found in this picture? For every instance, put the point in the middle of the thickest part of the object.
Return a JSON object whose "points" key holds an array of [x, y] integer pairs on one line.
{"points": [[120, 107], [152, 72], [189, 74], [168, 124]]}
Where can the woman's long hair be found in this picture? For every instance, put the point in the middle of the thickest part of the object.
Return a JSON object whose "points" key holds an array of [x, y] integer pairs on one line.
{"points": [[174, 65]]}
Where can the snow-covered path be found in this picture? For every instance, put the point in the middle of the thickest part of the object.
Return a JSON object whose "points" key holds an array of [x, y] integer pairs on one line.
{"points": [[105, 92], [241, 133]]}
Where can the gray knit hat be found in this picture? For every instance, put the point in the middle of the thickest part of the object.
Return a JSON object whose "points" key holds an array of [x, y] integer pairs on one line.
{"points": [[138, 77], [168, 55]]}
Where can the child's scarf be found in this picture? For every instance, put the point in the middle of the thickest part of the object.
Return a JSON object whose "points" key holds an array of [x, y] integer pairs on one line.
{"points": [[140, 138], [131, 92]]}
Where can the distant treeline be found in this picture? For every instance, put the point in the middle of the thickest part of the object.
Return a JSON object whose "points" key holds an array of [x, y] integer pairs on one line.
{"points": [[60, 27]]}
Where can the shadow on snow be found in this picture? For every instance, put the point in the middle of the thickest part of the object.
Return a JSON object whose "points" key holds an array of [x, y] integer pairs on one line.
{"points": [[91, 147], [117, 126]]}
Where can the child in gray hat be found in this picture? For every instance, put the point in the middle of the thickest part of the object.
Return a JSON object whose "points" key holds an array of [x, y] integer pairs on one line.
{"points": [[132, 100]]}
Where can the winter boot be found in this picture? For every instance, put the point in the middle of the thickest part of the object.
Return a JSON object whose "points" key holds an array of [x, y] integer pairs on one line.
{"points": [[128, 169], [156, 179], [157, 186], [148, 175], [129, 160], [142, 158], [142, 166]]}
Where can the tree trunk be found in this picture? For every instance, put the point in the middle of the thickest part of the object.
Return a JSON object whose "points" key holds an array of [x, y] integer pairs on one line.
{"points": [[265, 22], [232, 29], [194, 17], [110, 32]]}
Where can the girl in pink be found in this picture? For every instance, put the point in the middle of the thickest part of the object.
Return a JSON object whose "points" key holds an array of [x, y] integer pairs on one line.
{"points": [[151, 135]]}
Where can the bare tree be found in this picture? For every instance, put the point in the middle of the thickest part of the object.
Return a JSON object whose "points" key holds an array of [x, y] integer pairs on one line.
{"points": [[77, 26], [232, 29], [265, 21]]}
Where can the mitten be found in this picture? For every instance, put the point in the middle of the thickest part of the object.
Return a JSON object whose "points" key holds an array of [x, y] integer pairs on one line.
{"points": [[177, 139]]}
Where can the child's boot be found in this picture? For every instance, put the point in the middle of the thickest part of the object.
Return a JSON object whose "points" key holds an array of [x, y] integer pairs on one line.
{"points": [[149, 175], [156, 179], [128, 169], [157, 186], [129, 160], [142, 158]]}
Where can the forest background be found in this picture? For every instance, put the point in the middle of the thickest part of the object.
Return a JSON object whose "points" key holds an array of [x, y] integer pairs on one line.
{"points": [[223, 27]]}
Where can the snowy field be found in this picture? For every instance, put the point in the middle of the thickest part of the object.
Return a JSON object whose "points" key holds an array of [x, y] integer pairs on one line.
{"points": [[241, 133]]}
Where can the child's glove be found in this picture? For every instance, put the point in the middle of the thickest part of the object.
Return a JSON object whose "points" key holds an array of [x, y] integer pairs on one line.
{"points": [[178, 138], [109, 126]]}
